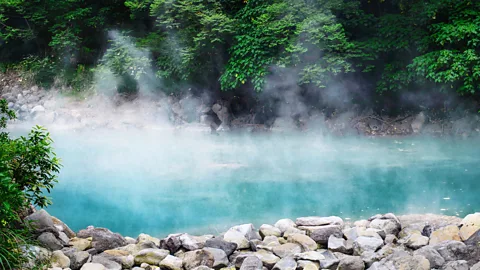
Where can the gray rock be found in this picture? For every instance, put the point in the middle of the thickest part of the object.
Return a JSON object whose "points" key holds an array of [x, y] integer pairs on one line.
{"points": [[109, 265], [77, 258], [330, 261], [49, 241], [151, 256], [63, 238], [238, 238], [475, 266], [337, 244], [432, 255], [287, 263], [310, 256], [93, 266], [363, 244], [171, 243], [286, 250], [238, 257], [418, 122], [284, 224], [391, 239], [189, 242], [351, 263], [192, 259], [220, 257], [119, 256], [456, 265], [319, 221], [269, 230], [451, 250], [221, 110], [388, 226], [227, 247], [41, 221], [251, 263], [321, 234], [102, 239], [247, 230]]}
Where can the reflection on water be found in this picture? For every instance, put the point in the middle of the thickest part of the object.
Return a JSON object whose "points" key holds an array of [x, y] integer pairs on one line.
{"points": [[133, 182]]}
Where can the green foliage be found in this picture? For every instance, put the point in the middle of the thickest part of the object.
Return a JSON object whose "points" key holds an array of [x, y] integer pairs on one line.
{"points": [[28, 166], [40, 71]]}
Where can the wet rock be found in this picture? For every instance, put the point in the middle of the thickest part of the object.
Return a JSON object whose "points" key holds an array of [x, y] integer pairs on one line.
{"points": [[49, 241], [451, 250], [196, 258], [320, 234], [288, 249], [269, 230], [81, 243], [252, 263], [77, 258], [219, 256], [284, 224], [109, 264], [450, 232], [416, 241], [287, 263], [363, 244], [171, 263], [470, 224], [304, 241], [319, 221], [145, 237], [93, 266], [227, 247], [102, 239], [151, 256], [432, 255], [456, 265], [268, 258], [59, 259], [351, 263], [171, 243]]}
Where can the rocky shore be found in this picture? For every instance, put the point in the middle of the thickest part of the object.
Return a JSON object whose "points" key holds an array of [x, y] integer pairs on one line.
{"points": [[53, 108], [383, 242]]}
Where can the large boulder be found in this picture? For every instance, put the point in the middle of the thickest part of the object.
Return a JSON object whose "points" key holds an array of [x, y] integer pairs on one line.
{"points": [[219, 256], [319, 221], [192, 259], [151, 256], [227, 247], [286, 250], [450, 232], [171, 263], [366, 244], [304, 241], [48, 240], [102, 239], [62, 227], [251, 263], [287, 263], [470, 224], [320, 234]]}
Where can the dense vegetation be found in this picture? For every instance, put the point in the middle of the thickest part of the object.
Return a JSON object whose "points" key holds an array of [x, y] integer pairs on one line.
{"points": [[28, 167], [372, 48]]}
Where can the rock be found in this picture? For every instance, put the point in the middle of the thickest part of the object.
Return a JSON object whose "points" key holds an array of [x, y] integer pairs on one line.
{"points": [[63, 239], [418, 122], [293, 230], [49, 241], [171, 243], [390, 239], [102, 239], [310, 256], [268, 259], [189, 242], [351, 263], [238, 257], [145, 237], [130, 240], [411, 262], [251, 263], [41, 221], [287, 263], [119, 256], [238, 238], [196, 258], [81, 243], [77, 258], [151, 256], [93, 266], [269, 230], [307, 265], [39, 254], [450, 232], [288, 249], [284, 224], [319, 221], [219, 256], [227, 247], [470, 224], [337, 244], [451, 250], [37, 109], [475, 266], [109, 264], [363, 244], [171, 263], [247, 230], [330, 261], [416, 241], [456, 265], [304, 241], [432, 255], [63, 227], [387, 223], [271, 241], [321, 234], [59, 259], [221, 110]]}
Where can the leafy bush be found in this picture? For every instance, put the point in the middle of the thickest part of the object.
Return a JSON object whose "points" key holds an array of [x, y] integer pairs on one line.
{"points": [[28, 166], [39, 71]]}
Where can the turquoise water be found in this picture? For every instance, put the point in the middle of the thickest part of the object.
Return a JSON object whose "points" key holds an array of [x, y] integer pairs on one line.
{"points": [[162, 182]]}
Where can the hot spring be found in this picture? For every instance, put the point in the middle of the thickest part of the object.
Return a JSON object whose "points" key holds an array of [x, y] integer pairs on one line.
{"points": [[161, 182]]}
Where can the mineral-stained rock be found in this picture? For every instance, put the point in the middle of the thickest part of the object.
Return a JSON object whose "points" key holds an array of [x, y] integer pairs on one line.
{"points": [[119, 256], [304, 241], [288, 249], [362, 244], [196, 258], [63, 227], [432, 255], [351, 263], [227, 247], [293, 230], [269, 230], [151, 256], [252, 263], [102, 239], [171, 263], [470, 224], [450, 232], [287, 263]]}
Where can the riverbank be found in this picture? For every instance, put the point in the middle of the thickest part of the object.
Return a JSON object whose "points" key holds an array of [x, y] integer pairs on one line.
{"points": [[57, 108], [309, 243]]}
